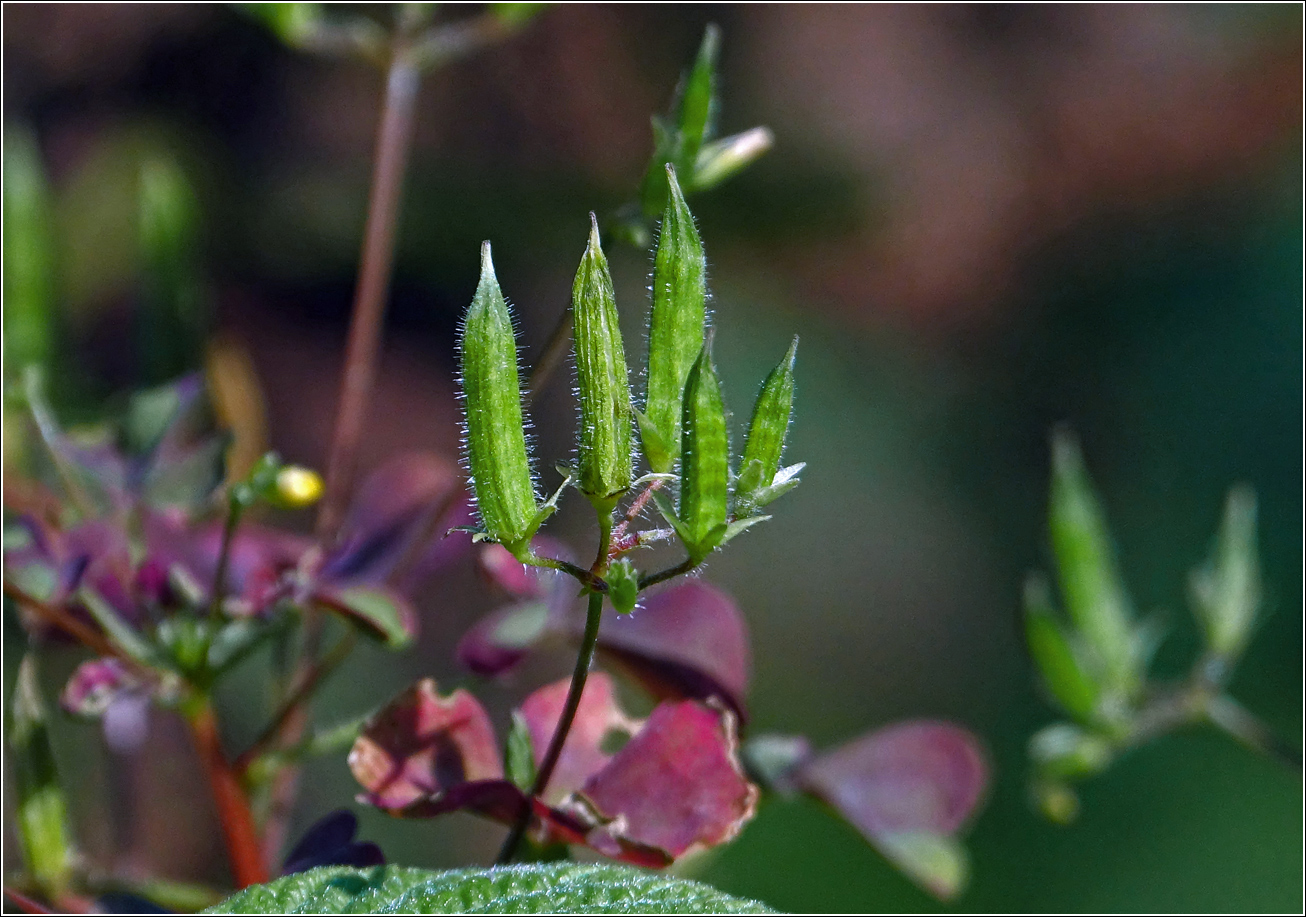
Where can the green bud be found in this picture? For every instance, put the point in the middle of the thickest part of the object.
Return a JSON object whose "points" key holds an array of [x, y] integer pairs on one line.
{"points": [[41, 809], [623, 586], [603, 383], [1226, 590], [705, 465], [724, 158], [675, 332], [1090, 580], [1063, 751], [1052, 651], [766, 438], [496, 436]]}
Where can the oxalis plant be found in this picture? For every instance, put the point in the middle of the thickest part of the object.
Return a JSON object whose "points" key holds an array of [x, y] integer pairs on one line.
{"points": [[159, 545]]}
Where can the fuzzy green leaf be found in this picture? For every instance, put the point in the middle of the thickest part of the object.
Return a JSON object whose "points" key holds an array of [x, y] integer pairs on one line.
{"points": [[544, 888]]}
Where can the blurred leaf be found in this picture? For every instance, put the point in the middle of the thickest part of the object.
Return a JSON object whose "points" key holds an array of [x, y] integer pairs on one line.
{"points": [[723, 159], [519, 753], [28, 254], [698, 102], [329, 841], [1090, 580], [383, 615], [40, 806], [1065, 751], [1052, 651], [173, 316], [517, 14], [1226, 590], [525, 889], [935, 861]]}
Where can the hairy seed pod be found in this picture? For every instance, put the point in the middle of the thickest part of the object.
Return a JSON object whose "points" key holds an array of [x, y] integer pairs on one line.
{"points": [[496, 437], [602, 380], [766, 433], [705, 459], [675, 329]]}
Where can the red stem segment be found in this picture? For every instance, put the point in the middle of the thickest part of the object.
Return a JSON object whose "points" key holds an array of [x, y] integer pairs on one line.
{"points": [[238, 831]]}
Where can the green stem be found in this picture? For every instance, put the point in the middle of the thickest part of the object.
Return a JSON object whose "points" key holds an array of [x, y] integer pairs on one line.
{"points": [[224, 558], [1228, 715], [679, 569], [593, 616]]}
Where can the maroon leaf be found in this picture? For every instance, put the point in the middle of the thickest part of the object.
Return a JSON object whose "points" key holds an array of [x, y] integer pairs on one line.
{"points": [[907, 788], [421, 745], [689, 641], [501, 639], [598, 721], [677, 786]]}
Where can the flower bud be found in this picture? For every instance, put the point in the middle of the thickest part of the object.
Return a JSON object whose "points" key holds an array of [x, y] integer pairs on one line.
{"points": [[705, 464], [495, 433], [298, 487], [766, 436], [602, 380], [675, 332]]}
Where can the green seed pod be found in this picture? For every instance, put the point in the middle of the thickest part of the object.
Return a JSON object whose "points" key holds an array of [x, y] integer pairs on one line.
{"points": [[602, 379], [675, 331], [766, 436], [496, 436], [705, 466]]}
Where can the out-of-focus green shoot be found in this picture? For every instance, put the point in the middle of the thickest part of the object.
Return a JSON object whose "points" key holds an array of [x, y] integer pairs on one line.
{"points": [[173, 315], [40, 809], [28, 255], [1094, 663]]}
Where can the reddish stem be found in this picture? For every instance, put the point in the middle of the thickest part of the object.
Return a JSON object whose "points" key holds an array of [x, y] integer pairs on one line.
{"points": [[238, 830]]}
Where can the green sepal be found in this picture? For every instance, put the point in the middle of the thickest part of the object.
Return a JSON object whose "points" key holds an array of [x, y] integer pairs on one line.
{"points": [[496, 438], [739, 526], [675, 329], [603, 382], [623, 585], [1055, 656], [1090, 579], [41, 808], [766, 438], [705, 459], [1225, 592], [519, 754]]}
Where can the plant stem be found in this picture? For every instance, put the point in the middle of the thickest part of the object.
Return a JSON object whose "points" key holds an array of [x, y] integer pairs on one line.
{"points": [[238, 831], [1231, 717], [555, 348], [393, 142], [80, 631], [224, 558], [307, 685], [683, 567], [593, 616], [637, 506]]}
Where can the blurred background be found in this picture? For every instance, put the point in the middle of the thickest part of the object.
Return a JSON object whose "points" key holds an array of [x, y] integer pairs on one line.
{"points": [[982, 221]]}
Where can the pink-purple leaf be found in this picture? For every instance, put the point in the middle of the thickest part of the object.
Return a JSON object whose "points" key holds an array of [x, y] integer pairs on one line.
{"points": [[907, 788], [677, 786], [689, 641], [421, 745]]}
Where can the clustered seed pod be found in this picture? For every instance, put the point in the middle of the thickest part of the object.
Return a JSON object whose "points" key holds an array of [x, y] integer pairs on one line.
{"points": [[705, 459], [675, 331], [496, 436], [605, 464], [766, 435]]}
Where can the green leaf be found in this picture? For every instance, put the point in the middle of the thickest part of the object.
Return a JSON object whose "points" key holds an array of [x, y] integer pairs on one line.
{"points": [[496, 434], [40, 807], [548, 888], [675, 327], [1226, 590], [1052, 651], [1090, 579], [519, 754], [602, 381], [378, 612]]}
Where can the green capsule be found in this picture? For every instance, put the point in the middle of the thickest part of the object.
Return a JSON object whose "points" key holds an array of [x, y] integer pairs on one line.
{"points": [[675, 331], [496, 436], [602, 380], [766, 437], [705, 465], [1090, 579]]}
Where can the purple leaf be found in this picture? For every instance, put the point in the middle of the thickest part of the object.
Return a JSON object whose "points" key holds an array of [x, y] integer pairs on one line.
{"points": [[501, 639], [677, 786], [689, 641], [907, 788], [329, 841], [421, 745], [597, 718]]}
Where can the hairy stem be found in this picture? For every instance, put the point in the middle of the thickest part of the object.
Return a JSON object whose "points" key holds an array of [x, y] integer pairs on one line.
{"points": [[685, 566], [593, 616], [238, 831]]}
